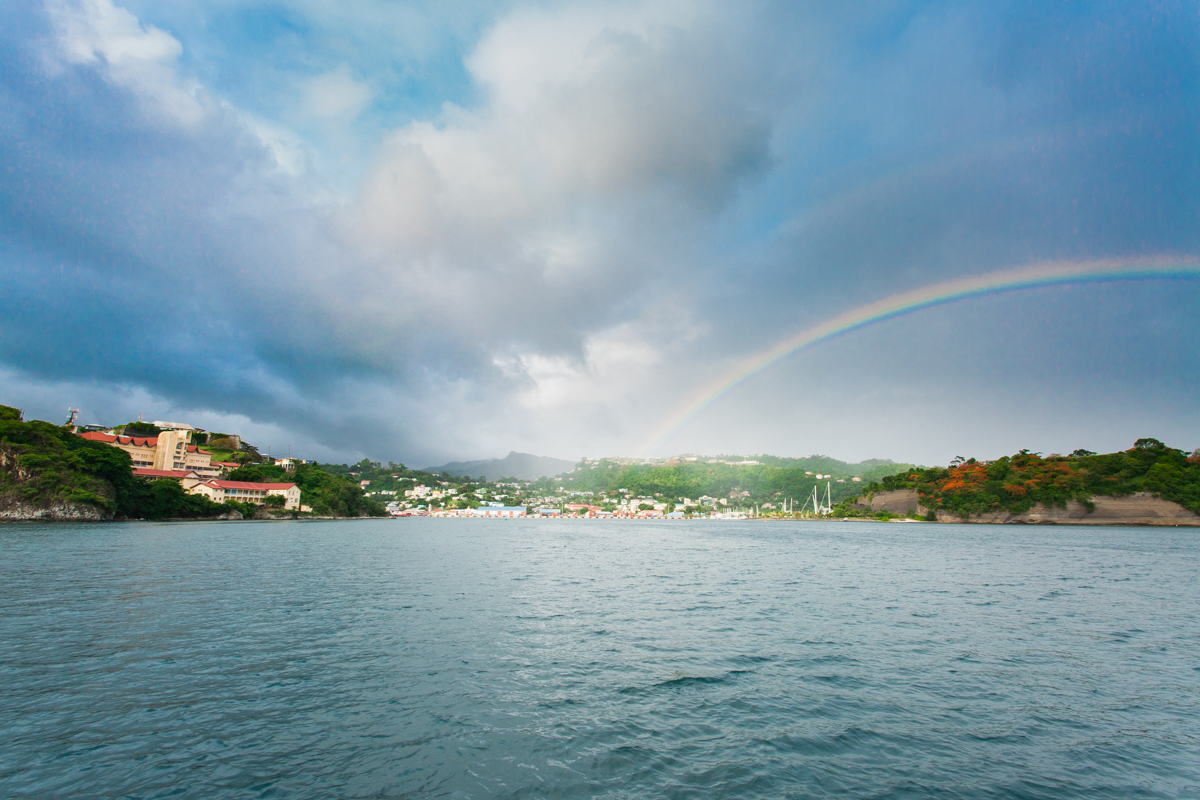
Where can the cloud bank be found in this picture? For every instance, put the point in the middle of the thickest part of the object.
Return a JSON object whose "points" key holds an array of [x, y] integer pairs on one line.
{"points": [[552, 231]]}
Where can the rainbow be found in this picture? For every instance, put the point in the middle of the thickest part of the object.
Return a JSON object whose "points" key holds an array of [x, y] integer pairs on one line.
{"points": [[1038, 275]]}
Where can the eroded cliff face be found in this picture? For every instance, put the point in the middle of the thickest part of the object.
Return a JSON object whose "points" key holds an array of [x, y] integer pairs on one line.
{"points": [[1141, 508], [18, 511], [14, 508], [900, 501]]}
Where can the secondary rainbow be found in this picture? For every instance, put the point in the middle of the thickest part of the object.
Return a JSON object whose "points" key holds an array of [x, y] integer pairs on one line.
{"points": [[1048, 274]]}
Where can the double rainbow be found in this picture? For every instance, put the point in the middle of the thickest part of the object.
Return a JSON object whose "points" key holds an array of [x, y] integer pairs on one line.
{"points": [[1047, 274]]}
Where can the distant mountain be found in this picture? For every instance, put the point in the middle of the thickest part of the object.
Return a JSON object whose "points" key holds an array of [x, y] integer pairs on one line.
{"points": [[514, 465]]}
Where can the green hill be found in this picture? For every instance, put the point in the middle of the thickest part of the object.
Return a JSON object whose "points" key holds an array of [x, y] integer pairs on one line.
{"points": [[773, 478], [47, 468], [1016, 483], [327, 494]]}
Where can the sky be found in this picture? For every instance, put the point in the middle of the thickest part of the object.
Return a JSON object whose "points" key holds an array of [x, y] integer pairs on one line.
{"points": [[421, 232]]}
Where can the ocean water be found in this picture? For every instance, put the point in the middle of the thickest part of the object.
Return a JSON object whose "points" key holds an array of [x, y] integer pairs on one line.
{"points": [[562, 659]]}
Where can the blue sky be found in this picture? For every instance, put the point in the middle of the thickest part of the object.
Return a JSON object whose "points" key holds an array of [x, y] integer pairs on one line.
{"points": [[420, 233]]}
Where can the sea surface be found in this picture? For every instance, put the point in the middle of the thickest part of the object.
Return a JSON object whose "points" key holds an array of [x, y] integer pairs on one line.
{"points": [[594, 658]]}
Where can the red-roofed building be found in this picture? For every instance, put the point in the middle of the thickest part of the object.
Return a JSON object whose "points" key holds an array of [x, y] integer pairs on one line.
{"points": [[174, 474], [245, 492], [168, 451]]}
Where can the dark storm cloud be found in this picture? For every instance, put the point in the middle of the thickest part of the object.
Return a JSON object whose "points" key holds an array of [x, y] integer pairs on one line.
{"points": [[636, 193]]}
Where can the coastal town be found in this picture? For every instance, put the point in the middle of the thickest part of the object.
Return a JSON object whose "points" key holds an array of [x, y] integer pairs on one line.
{"points": [[174, 470], [211, 464]]}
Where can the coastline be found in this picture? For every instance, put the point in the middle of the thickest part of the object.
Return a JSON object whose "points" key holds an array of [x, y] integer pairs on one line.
{"points": [[943, 520]]}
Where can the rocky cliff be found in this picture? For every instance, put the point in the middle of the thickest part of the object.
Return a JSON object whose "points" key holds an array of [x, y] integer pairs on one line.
{"points": [[57, 512], [1141, 508]]}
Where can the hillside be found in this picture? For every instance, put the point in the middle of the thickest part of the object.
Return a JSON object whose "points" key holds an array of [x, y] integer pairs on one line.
{"points": [[47, 472], [521, 466], [771, 479], [325, 493], [1032, 485]]}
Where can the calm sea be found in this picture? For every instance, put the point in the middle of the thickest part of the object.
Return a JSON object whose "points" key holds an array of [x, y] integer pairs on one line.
{"points": [[555, 659]]}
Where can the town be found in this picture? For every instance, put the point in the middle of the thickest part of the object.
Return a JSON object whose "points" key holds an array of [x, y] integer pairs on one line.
{"points": [[225, 469], [682, 487]]}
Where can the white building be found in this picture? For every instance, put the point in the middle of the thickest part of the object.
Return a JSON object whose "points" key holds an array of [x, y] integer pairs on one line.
{"points": [[500, 511], [245, 492]]}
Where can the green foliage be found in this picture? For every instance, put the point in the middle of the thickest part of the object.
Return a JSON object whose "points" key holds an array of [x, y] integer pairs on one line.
{"points": [[1016, 483], [260, 473], [45, 465], [333, 494], [326, 493], [141, 429], [166, 499], [780, 479], [10, 414], [274, 501]]}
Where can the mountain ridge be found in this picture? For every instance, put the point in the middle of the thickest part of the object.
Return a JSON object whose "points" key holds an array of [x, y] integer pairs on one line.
{"points": [[523, 466]]}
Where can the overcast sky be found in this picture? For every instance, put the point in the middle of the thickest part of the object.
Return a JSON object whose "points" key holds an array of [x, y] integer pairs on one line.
{"points": [[423, 231]]}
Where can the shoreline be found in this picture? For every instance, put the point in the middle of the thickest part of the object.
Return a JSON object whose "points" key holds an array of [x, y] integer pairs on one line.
{"points": [[868, 520]]}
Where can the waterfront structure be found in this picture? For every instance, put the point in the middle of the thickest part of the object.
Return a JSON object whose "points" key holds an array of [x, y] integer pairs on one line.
{"points": [[245, 492], [499, 511]]}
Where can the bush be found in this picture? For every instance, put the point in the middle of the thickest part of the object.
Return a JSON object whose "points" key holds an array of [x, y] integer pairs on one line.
{"points": [[141, 429], [1016, 483]]}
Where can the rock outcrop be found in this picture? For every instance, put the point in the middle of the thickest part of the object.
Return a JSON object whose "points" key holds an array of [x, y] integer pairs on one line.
{"points": [[59, 512], [1141, 508], [898, 501]]}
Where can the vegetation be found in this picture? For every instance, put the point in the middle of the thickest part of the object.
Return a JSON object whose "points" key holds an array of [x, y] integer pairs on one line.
{"points": [[1016, 483], [45, 465], [327, 494], [140, 429], [773, 479]]}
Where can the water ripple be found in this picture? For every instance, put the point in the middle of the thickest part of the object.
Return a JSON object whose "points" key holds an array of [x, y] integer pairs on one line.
{"points": [[423, 658]]}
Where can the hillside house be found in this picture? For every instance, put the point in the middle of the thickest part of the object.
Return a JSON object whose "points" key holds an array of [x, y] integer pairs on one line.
{"points": [[245, 492], [167, 451]]}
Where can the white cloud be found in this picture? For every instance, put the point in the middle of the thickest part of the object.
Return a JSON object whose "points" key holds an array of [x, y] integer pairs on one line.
{"points": [[584, 106], [130, 55], [335, 95], [608, 135]]}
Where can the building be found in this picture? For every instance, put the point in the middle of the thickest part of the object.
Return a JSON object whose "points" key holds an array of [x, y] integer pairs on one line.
{"points": [[171, 474], [167, 451], [500, 511], [172, 426], [245, 492]]}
